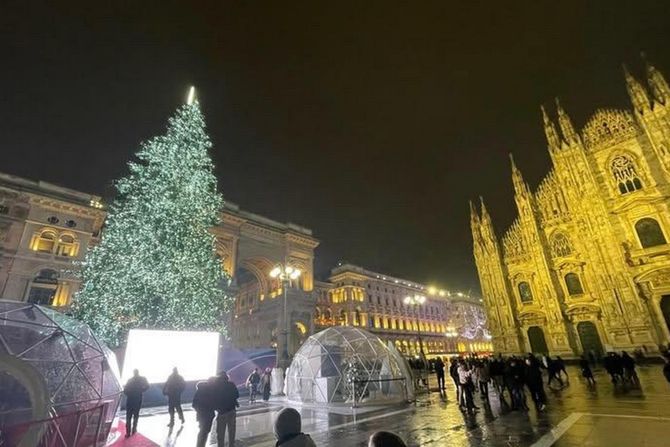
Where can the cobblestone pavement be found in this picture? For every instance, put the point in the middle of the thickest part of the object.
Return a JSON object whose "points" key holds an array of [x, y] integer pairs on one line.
{"points": [[575, 415]]}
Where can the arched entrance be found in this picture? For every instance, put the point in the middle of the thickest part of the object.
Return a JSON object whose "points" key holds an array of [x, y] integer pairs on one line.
{"points": [[665, 309], [538, 344], [589, 338]]}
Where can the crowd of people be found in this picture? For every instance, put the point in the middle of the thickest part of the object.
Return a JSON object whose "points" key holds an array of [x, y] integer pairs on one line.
{"points": [[218, 398], [511, 379]]}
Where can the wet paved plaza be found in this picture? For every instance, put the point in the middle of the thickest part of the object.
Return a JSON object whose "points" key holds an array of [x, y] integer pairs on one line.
{"points": [[575, 416]]}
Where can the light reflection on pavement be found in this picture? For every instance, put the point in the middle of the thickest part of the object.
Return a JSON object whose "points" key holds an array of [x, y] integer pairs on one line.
{"points": [[577, 416]]}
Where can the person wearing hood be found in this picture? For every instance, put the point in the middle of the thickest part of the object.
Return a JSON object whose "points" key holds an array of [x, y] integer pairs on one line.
{"points": [[287, 428]]}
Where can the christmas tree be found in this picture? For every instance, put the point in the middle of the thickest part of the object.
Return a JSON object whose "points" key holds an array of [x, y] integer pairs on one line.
{"points": [[155, 266]]}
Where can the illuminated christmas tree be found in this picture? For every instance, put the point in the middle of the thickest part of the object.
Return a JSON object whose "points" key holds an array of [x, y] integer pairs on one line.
{"points": [[156, 266]]}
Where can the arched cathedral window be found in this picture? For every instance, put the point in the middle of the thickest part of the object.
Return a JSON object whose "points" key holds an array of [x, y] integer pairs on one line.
{"points": [[625, 174], [525, 294], [573, 284], [560, 246], [649, 232]]}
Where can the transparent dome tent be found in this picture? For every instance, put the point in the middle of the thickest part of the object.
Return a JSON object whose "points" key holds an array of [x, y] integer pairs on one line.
{"points": [[60, 385], [347, 365]]}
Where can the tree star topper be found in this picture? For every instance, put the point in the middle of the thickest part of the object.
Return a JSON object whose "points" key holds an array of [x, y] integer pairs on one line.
{"points": [[191, 96]]}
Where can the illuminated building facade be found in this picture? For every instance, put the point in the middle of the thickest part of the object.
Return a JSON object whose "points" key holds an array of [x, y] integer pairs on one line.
{"points": [[44, 230], [586, 264], [447, 322]]}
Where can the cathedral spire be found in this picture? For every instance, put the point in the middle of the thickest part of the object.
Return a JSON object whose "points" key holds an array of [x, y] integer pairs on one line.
{"points": [[486, 224], [474, 223], [520, 187], [657, 82], [567, 129], [637, 93], [549, 131]]}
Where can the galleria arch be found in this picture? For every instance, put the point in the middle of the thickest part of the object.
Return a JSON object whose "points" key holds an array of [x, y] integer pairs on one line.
{"points": [[250, 246]]}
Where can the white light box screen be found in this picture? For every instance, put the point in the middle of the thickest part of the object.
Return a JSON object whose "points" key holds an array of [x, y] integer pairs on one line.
{"points": [[154, 353]]}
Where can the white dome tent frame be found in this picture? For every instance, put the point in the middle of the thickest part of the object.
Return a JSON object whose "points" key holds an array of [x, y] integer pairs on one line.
{"points": [[348, 365]]}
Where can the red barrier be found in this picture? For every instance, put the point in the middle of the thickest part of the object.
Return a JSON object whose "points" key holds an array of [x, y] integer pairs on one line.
{"points": [[86, 428]]}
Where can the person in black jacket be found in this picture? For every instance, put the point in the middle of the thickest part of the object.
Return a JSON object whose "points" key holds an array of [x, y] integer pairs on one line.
{"points": [[226, 398], [172, 389], [534, 382], [204, 404], [133, 391], [586, 371], [439, 372]]}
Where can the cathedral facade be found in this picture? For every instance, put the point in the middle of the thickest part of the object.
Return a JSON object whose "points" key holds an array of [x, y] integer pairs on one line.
{"points": [[585, 267]]}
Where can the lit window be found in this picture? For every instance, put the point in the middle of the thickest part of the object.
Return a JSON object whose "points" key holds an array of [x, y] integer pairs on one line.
{"points": [[649, 232], [525, 294], [625, 175], [67, 245], [573, 284], [46, 242]]}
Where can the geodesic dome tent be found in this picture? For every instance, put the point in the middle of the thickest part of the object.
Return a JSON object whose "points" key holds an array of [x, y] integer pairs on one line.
{"points": [[348, 365], [59, 385]]}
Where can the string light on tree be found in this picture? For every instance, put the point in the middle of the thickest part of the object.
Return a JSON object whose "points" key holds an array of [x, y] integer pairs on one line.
{"points": [[155, 266]]}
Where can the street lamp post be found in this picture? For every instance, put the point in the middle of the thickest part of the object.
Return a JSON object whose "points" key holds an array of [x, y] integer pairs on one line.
{"points": [[286, 274], [415, 301]]}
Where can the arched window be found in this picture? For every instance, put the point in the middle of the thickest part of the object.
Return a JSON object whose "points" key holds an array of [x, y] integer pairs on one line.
{"points": [[625, 174], [525, 294], [328, 314], [649, 232], [67, 245], [357, 317], [46, 241], [43, 287], [573, 284], [317, 313], [560, 246]]}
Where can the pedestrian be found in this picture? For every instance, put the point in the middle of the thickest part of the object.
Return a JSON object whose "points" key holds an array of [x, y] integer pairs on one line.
{"points": [[266, 384], [287, 428], [628, 365], [586, 371], [439, 372], [453, 372], [173, 388], [534, 383], [560, 368], [252, 384], [484, 375], [497, 370], [613, 367], [553, 372], [204, 404], [467, 386], [133, 390], [227, 404], [518, 374], [385, 439]]}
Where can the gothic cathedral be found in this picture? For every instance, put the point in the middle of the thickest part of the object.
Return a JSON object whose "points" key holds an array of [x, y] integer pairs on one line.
{"points": [[585, 267]]}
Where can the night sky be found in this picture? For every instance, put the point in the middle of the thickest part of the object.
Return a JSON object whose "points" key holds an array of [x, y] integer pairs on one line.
{"points": [[373, 123]]}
